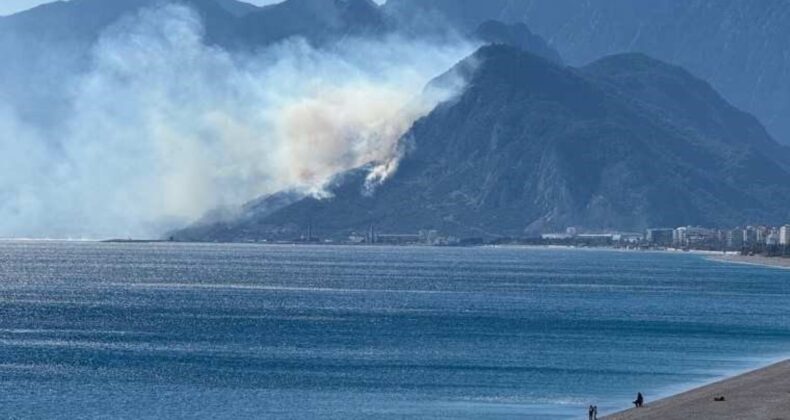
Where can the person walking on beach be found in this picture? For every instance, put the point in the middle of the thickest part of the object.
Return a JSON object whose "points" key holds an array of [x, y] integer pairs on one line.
{"points": [[595, 412], [591, 413], [639, 400]]}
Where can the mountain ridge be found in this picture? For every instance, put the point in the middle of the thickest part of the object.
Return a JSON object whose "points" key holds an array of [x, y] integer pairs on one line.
{"points": [[531, 146], [737, 45]]}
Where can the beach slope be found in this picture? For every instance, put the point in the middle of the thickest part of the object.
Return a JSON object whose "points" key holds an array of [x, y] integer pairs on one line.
{"points": [[774, 262], [757, 395]]}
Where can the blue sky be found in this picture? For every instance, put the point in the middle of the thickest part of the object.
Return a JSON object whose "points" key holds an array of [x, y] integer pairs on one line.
{"points": [[8, 7]]}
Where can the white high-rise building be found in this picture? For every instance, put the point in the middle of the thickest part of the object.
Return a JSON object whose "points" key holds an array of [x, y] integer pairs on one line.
{"points": [[773, 238], [784, 235], [680, 237]]}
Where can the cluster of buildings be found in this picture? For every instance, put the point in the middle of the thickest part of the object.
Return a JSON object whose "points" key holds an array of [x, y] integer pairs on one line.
{"points": [[751, 238], [594, 239], [767, 240], [423, 237]]}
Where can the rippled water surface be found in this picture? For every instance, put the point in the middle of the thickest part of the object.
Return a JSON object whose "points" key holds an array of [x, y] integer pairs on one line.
{"points": [[174, 331]]}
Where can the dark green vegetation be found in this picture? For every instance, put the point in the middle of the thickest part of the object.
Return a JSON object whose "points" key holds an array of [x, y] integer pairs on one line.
{"points": [[624, 143]]}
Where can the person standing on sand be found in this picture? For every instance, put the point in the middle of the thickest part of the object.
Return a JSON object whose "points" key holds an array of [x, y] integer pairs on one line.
{"points": [[640, 400], [595, 412], [591, 412]]}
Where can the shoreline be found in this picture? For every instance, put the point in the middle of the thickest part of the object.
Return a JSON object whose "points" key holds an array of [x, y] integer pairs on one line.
{"points": [[756, 260], [712, 256], [717, 256], [762, 393]]}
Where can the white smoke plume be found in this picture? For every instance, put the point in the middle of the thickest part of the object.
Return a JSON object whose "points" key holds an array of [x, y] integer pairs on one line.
{"points": [[163, 128]]}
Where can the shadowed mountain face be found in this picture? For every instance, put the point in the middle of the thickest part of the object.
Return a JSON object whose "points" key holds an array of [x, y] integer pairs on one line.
{"points": [[739, 46], [43, 44], [32, 74], [56, 21], [316, 20], [227, 22], [627, 142], [82, 21], [516, 35]]}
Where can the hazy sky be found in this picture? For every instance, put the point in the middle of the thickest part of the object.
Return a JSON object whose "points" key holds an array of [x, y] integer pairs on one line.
{"points": [[8, 7]]}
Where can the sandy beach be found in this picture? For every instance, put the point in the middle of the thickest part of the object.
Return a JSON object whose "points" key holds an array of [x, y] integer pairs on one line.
{"points": [[752, 260], [757, 395]]}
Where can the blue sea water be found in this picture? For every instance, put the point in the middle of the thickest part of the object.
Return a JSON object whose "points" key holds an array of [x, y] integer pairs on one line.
{"points": [[177, 331]]}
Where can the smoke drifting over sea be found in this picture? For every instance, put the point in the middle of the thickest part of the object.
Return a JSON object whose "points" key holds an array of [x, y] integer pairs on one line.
{"points": [[163, 128]]}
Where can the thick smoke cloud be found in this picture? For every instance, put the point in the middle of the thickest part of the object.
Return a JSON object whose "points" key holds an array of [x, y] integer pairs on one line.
{"points": [[163, 128]]}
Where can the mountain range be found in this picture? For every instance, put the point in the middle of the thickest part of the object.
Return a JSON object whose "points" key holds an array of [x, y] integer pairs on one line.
{"points": [[602, 114], [41, 45], [739, 46], [626, 142]]}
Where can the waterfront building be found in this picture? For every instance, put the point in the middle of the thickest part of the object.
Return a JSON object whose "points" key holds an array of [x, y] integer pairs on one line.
{"points": [[429, 237], [751, 236], [773, 238], [631, 238], [696, 237], [736, 238], [680, 237], [659, 237], [397, 239], [784, 235], [762, 233], [555, 236]]}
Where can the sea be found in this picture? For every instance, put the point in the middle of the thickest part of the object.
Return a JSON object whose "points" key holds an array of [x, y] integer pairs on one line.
{"points": [[213, 331]]}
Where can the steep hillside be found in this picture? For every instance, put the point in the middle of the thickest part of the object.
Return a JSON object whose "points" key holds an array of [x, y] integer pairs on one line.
{"points": [[532, 146]]}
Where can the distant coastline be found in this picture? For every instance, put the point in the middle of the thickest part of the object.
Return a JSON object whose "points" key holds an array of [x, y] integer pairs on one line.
{"points": [[715, 256], [757, 260]]}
